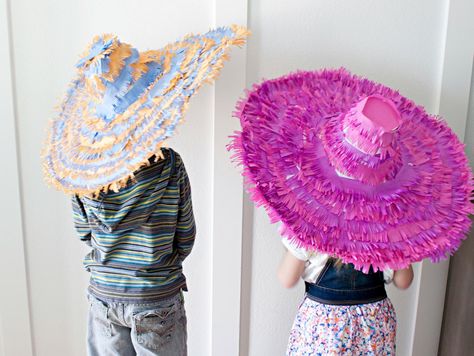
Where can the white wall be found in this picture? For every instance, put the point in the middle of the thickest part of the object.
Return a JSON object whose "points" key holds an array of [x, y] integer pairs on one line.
{"points": [[453, 105], [399, 43], [14, 309], [469, 137]]}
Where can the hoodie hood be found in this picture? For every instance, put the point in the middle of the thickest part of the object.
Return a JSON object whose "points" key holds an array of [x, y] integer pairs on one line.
{"points": [[132, 205]]}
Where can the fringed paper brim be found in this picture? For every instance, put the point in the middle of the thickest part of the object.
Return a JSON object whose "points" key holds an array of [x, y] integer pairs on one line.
{"points": [[85, 154], [422, 212]]}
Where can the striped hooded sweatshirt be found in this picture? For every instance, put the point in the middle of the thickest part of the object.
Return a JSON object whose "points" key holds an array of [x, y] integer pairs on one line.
{"points": [[140, 235]]}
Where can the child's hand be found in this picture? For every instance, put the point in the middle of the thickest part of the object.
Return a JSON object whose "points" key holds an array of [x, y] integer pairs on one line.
{"points": [[403, 277]]}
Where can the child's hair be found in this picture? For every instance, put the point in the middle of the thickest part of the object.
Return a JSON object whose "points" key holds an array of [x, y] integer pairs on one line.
{"points": [[338, 262]]}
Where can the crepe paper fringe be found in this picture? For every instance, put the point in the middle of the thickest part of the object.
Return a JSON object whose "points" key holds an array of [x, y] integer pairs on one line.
{"points": [[288, 128], [123, 105]]}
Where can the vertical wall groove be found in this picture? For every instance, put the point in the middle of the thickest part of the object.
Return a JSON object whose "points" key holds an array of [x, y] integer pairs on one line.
{"points": [[16, 316], [453, 106], [227, 194]]}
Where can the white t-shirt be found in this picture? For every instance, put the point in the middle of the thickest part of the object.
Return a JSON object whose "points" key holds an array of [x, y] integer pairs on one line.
{"points": [[315, 262]]}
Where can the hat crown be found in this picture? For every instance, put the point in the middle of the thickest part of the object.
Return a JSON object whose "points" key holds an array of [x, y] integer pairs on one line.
{"points": [[361, 143], [370, 125], [381, 112], [96, 58], [116, 75]]}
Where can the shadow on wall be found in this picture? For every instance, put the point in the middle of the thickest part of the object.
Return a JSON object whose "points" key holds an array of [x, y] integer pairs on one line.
{"points": [[456, 338], [246, 287]]}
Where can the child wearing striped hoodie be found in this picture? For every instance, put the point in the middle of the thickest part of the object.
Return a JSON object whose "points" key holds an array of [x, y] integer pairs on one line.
{"points": [[139, 237]]}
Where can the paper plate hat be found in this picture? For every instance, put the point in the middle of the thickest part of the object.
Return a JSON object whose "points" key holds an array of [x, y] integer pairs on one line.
{"points": [[354, 169], [123, 104]]}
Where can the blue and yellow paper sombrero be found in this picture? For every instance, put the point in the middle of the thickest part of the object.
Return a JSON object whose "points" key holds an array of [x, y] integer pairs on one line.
{"points": [[124, 104]]}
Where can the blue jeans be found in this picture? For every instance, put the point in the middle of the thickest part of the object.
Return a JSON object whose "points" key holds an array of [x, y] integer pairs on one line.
{"points": [[118, 329]]}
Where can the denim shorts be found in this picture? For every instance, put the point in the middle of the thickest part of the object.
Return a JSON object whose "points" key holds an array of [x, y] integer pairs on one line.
{"points": [[119, 329]]}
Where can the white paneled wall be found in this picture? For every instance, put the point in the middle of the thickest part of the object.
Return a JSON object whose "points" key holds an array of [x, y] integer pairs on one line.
{"points": [[47, 37], [14, 309], [400, 43], [235, 305], [453, 105]]}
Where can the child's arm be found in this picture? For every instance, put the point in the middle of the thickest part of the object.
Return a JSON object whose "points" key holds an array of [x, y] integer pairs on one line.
{"points": [[81, 223], [402, 278], [290, 270], [186, 226]]}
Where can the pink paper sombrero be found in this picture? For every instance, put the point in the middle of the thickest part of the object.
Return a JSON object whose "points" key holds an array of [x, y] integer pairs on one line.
{"points": [[354, 169]]}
